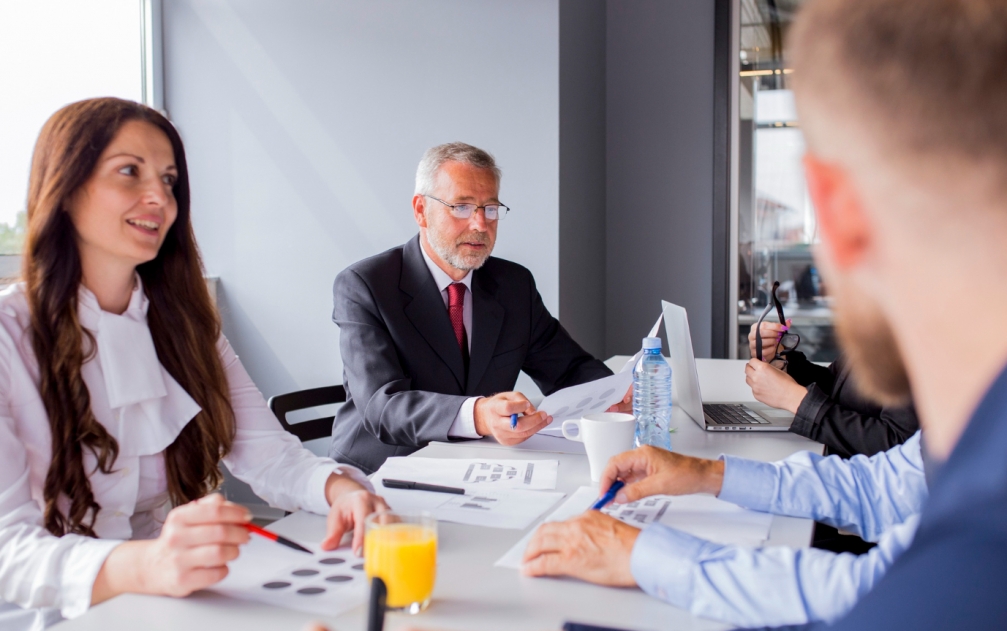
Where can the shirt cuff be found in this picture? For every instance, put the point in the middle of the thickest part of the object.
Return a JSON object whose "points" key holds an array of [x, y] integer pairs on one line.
{"points": [[464, 425], [806, 419], [316, 502], [749, 483], [663, 561], [80, 572]]}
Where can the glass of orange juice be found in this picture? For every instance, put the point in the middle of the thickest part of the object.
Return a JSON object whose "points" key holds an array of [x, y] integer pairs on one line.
{"points": [[401, 548]]}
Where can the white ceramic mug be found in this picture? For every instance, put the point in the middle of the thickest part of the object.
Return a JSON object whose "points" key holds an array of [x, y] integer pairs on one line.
{"points": [[604, 435]]}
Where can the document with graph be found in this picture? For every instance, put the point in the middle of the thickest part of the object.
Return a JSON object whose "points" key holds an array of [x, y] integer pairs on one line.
{"points": [[530, 475]]}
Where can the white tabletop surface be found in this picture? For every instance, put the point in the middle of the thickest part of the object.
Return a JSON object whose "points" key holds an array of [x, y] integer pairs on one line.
{"points": [[470, 593]]}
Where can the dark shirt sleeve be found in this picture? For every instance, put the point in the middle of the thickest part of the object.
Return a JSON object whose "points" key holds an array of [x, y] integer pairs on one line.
{"points": [[806, 373], [374, 377], [839, 418], [554, 360]]}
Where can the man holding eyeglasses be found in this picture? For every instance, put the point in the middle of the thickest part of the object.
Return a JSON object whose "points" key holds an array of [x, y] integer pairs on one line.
{"points": [[826, 403], [433, 333]]}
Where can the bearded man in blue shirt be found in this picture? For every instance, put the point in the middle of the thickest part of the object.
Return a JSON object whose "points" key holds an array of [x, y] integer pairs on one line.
{"points": [[902, 103]]}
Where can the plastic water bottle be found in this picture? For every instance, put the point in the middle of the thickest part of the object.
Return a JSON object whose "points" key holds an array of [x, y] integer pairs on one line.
{"points": [[652, 396]]}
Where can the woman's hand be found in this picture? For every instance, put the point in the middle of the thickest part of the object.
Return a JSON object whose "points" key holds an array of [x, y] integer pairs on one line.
{"points": [[196, 543], [350, 505], [771, 334], [772, 386]]}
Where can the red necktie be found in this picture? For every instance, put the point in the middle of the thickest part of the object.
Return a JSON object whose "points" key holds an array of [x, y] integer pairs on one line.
{"points": [[456, 307]]}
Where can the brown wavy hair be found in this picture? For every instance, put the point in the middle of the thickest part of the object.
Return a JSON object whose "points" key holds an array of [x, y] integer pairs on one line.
{"points": [[182, 319]]}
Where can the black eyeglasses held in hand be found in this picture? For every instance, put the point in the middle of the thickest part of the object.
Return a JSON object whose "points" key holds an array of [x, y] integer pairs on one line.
{"points": [[788, 341], [492, 212]]}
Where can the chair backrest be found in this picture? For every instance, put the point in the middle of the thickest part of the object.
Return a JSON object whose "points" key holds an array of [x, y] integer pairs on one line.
{"points": [[283, 404]]}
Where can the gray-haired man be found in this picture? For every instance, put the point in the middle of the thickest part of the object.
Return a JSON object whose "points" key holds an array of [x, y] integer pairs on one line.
{"points": [[433, 333]]}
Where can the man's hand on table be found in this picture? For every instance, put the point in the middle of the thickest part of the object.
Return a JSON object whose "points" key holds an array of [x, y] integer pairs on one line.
{"points": [[650, 471], [492, 418], [592, 547]]}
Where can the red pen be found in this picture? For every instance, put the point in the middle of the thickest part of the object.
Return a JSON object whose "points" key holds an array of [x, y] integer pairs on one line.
{"points": [[277, 538]]}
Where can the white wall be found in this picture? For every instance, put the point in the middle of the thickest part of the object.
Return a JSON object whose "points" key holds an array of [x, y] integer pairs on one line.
{"points": [[303, 123]]}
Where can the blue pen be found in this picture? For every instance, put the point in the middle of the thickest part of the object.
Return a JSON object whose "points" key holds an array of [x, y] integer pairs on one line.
{"points": [[513, 421], [609, 495]]}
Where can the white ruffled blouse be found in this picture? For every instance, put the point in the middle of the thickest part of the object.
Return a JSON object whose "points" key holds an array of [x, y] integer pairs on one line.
{"points": [[43, 577]]}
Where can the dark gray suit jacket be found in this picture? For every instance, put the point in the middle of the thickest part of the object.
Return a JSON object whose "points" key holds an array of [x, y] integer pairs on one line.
{"points": [[402, 367]]}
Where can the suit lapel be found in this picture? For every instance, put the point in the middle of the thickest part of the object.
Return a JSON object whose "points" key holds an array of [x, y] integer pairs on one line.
{"points": [[426, 310], [487, 320]]}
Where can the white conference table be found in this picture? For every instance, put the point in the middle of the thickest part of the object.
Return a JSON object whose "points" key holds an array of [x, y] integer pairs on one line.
{"points": [[470, 593]]}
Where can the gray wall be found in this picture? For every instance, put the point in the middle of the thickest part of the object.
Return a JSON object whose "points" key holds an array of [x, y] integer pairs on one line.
{"points": [[582, 171], [304, 120], [659, 150], [303, 123]]}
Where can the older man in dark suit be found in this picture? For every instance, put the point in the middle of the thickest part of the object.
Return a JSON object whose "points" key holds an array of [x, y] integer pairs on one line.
{"points": [[433, 333]]}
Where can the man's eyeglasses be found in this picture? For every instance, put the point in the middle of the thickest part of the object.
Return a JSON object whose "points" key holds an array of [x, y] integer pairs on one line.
{"points": [[788, 341], [492, 212]]}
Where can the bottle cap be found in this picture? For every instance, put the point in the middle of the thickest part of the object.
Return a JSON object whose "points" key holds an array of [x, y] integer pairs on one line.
{"points": [[650, 343]]}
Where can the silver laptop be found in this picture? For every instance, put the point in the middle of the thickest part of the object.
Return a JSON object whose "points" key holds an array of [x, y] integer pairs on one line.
{"points": [[727, 416]]}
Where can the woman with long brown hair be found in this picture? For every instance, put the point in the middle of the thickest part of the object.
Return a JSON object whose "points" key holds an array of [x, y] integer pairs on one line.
{"points": [[119, 397]]}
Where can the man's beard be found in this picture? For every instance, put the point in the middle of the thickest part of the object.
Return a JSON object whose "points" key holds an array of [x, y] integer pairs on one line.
{"points": [[452, 253], [867, 339]]}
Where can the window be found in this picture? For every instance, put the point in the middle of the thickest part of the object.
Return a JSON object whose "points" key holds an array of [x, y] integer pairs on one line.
{"points": [[776, 222], [53, 53]]}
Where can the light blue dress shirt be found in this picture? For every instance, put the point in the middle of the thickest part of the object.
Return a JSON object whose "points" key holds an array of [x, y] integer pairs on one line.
{"points": [[879, 498]]}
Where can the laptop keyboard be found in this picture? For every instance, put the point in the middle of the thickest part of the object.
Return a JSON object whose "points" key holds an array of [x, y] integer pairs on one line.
{"points": [[732, 414]]}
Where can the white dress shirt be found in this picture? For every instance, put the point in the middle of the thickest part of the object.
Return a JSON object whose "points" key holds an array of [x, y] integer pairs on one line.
{"points": [[43, 577], [464, 425]]}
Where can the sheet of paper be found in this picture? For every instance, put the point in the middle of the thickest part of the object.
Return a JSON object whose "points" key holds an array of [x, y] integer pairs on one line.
{"points": [[587, 398], [496, 508], [700, 515], [577, 503], [591, 397], [473, 474], [325, 584]]}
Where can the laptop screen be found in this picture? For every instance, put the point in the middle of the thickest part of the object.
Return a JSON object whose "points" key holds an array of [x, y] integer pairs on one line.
{"points": [[684, 377]]}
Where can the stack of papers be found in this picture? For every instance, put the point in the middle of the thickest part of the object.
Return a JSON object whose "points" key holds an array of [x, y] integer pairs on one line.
{"points": [[700, 515], [498, 493]]}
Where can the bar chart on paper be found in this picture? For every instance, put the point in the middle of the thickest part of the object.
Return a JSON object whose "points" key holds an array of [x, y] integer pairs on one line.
{"points": [[531, 475], [498, 493], [700, 515]]}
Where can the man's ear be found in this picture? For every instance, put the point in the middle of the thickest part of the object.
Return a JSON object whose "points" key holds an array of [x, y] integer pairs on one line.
{"points": [[419, 210], [842, 221]]}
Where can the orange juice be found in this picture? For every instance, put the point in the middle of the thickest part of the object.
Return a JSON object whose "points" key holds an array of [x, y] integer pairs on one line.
{"points": [[404, 555]]}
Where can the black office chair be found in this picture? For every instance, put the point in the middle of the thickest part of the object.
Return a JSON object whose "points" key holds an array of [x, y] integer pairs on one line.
{"points": [[283, 404]]}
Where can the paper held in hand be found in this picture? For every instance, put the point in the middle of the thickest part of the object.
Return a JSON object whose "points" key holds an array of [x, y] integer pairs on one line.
{"points": [[587, 398], [591, 397]]}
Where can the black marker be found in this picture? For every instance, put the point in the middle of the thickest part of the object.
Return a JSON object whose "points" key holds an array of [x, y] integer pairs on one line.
{"points": [[420, 486], [376, 607]]}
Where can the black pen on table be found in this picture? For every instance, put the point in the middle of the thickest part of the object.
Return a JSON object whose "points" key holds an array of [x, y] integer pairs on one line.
{"points": [[409, 485]]}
